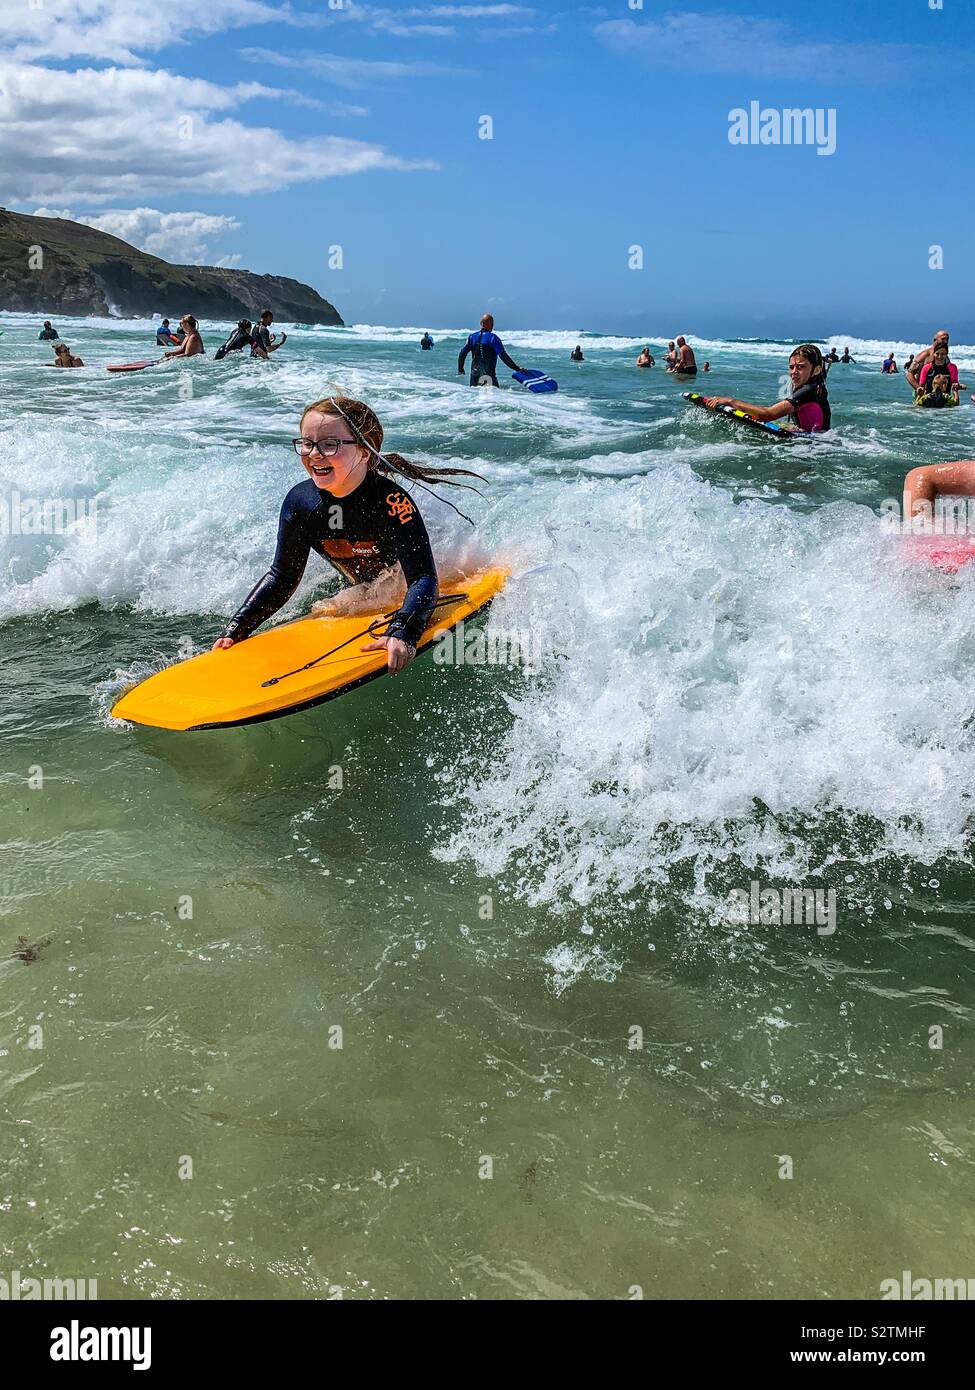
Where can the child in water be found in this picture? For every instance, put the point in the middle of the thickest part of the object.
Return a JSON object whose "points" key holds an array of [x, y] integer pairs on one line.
{"points": [[808, 403], [937, 392]]}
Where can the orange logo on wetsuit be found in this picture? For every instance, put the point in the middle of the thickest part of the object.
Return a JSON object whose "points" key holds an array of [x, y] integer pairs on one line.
{"points": [[349, 550], [400, 506]]}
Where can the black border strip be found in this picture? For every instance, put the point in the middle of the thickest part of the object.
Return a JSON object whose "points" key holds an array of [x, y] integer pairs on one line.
{"points": [[332, 694]]}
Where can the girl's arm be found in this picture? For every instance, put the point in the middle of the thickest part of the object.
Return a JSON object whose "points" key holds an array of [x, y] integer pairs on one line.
{"points": [[760, 412]]}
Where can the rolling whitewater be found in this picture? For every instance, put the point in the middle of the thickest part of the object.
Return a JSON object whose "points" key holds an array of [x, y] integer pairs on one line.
{"points": [[481, 909]]}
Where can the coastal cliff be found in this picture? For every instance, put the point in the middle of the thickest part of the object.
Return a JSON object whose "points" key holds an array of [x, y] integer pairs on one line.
{"points": [[80, 270]]}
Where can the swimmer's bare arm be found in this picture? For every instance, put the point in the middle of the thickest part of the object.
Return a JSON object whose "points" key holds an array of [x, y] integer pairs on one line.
{"points": [[923, 485]]}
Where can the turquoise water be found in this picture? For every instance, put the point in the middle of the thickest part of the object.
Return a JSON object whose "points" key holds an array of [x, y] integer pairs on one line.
{"points": [[742, 681]]}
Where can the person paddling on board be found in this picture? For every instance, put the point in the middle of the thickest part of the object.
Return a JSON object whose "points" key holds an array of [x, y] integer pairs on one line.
{"points": [[192, 344], [809, 402], [350, 511], [263, 342], [239, 339], [47, 333], [426, 342], [485, 348], [646, 358]]}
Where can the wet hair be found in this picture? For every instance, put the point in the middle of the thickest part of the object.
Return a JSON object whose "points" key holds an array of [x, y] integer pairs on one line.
{"points": [[60, 347], [363, 421], [940, 376], [47, 323], [245, 324], [188, 318], [810, 353]]}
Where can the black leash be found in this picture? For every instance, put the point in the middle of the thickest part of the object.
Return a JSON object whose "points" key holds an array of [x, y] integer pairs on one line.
{"points": [[369, 631]]}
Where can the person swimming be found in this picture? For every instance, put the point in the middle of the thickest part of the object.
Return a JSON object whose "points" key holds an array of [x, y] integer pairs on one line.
{"points": [[485, 348], [192, 344], [646, 358], [426, 342], [47, 333], [238, 340], [350, 511], [809, 401], [63, 357], [706, 367], [576, 354]]}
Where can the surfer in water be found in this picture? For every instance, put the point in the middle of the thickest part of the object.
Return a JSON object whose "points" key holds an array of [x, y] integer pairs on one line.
{"points": [[263, 342], [809, 402], [192, 344], [485, 348], [238, 340], [351, 511]]}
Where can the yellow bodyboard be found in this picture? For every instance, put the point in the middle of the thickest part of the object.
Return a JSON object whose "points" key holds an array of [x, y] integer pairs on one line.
{"points": [[221, 689]]}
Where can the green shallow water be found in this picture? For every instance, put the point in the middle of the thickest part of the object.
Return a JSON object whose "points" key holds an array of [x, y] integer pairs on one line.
{"points": [[438, 907]]}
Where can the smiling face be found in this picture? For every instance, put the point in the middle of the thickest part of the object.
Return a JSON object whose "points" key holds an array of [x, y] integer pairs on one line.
{"points": [[341, 472]]}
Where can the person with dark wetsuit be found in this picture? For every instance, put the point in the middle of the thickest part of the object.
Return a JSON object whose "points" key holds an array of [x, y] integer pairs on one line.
{"points": [[809, 402], [352, 511], [576, 354], [426, 342], [262, 343], [48, 334], [238, 340], [485, 348]]}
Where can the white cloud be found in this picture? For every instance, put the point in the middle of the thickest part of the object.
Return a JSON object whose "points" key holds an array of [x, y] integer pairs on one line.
{"points": [[181, 237], [118, 30], [748, 46], [85, 137], [346, 72], [422, 21]]}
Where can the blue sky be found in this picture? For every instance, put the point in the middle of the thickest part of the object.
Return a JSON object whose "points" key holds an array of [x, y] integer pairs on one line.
{"points": [[306, 127]]}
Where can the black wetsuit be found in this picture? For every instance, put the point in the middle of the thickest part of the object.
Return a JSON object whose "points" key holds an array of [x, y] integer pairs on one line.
{"points": [[485, 349], [361, 535], [237, 340], [261, 339], [426, 344], [48, 335]]}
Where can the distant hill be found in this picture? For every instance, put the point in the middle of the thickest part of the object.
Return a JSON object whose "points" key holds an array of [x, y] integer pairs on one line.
{"points": [[86, 271]]}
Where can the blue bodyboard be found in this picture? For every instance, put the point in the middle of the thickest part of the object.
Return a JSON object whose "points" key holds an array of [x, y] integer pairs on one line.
{"points": [[536, 381]]}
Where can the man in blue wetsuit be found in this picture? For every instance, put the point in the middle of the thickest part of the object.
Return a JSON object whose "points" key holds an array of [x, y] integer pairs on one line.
{"points": [[485, 348]]}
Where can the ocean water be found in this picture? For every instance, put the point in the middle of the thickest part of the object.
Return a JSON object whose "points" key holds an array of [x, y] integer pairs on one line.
{"points": [[478, 1022]]}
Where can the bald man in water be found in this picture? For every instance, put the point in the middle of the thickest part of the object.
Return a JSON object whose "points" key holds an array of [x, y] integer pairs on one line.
{"points": [[485, 348]]}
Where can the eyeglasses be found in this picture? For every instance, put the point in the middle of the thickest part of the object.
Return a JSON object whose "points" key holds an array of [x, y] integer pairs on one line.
{"points": [[326, 448]]}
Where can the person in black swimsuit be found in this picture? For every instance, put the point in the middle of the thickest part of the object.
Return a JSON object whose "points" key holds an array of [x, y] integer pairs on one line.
{"points": [[238, 340], [350, 511]]}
